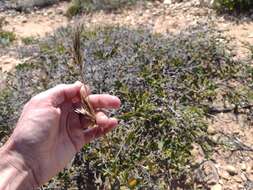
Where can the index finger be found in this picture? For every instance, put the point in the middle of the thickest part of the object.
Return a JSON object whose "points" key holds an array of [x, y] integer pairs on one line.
{"points": [[104, 101], [61, 93]]}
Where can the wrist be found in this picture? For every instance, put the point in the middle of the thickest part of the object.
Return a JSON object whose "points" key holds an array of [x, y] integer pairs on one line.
{"points": [[14, 174]]}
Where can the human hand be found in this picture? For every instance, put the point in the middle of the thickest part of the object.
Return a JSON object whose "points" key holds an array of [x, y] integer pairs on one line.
{"points": [[49, 133]]}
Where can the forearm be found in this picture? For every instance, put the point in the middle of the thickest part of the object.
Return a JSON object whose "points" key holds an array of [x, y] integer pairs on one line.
{"points": [[13, 175]]}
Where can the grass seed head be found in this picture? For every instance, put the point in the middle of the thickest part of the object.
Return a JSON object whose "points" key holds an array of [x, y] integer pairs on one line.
{"points": [[86, 108]]}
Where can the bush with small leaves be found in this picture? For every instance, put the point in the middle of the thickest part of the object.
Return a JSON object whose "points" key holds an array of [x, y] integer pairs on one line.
{"points": [[6, 37], [168, 86], [231, 6], [85, 6]]}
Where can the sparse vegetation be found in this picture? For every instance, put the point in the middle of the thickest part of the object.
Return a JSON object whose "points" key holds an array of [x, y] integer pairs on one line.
{"points": [[29, 40], [6, 37], [231, 6], [85, 6], [168, 86]]}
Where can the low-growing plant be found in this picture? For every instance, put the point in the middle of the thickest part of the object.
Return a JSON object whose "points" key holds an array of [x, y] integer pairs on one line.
{"points": [[86, 6], [168, 86], [233, 5], [29, 40], [6, 37]]}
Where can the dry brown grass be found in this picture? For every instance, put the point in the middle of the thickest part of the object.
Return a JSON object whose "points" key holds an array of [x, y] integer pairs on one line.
{"points": [[86, 109]]}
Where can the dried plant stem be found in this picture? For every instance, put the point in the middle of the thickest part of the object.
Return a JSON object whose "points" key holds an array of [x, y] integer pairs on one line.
{"points": [[86, 109]]}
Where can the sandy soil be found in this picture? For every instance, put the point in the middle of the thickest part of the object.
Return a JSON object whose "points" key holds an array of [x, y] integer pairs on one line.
{"points": [[36, 24]]}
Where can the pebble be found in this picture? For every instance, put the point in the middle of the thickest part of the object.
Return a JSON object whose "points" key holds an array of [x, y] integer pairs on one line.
{"points": [[243, 177], [216, 187], [24, 20], [224, 174], [243, 167], [250, 177], [59, 11], [231, 170], [251, 35], [197, 153], [50, 12], [238, 179], [167, 2], [211, 130], [210, 172]]}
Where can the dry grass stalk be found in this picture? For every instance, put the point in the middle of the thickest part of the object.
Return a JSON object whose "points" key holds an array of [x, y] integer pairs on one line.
{"points": [[86, 109]]}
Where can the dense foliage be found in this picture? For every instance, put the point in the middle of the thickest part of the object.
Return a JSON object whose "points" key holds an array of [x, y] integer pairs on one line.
{"points": [[234, 5], [168, 86]]}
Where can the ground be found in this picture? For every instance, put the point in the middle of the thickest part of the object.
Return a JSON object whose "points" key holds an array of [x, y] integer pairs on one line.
{"points": [[231, 166]]}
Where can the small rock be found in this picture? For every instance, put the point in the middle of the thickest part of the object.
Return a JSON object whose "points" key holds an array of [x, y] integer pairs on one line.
{"points": [[249, 169], [224, 174], [52, 17], [231, 170], [251, 35], [243, 167], [59, 11], [24, 20], [216, 187], [211, 130], [250, 177], [243, 177], [50, 12], [197, 153], [207, 173], [167, 2], [238, 179]]}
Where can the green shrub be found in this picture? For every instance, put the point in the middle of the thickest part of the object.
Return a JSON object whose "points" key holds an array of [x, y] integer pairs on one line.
{"points": [[234, 5], [76, 7], [168, 85], [6, 37], [84, 6], [29, 40]]}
